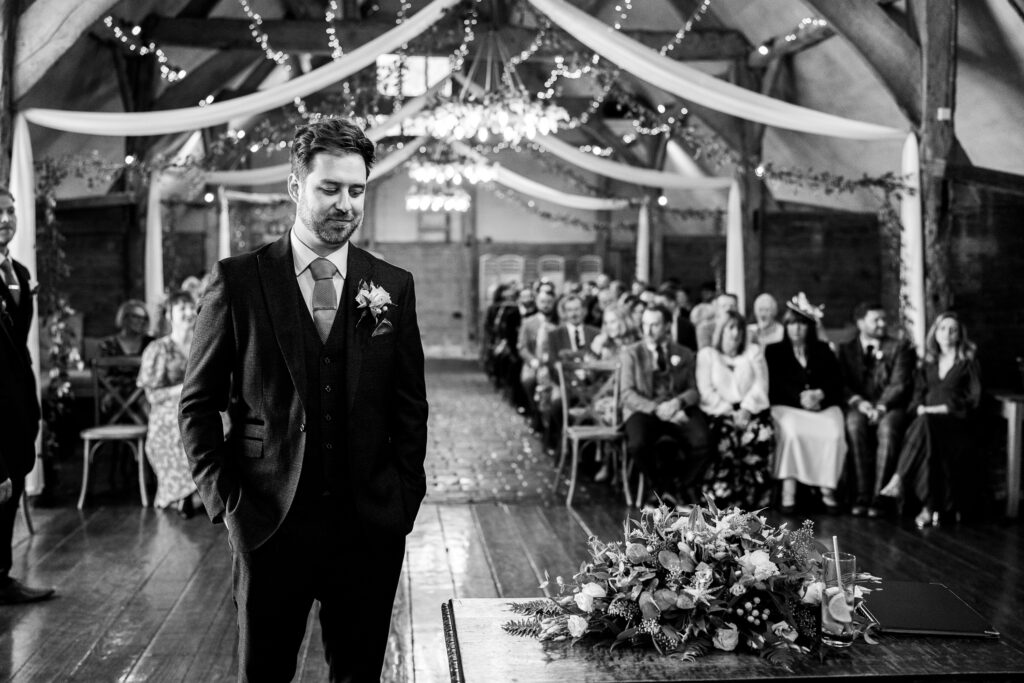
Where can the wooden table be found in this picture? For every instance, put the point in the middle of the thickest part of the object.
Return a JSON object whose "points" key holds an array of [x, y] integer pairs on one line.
{"points": [[480, 652], [1013, 411]]}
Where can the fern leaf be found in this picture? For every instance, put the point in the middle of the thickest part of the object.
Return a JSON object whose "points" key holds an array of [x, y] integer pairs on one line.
{"points": [[541, 607], [694, 650], [780, 654], [524, 627]]}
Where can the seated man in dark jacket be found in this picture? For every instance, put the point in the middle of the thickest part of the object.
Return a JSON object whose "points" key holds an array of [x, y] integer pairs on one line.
{"points": [[878, 383], [665, 431]]}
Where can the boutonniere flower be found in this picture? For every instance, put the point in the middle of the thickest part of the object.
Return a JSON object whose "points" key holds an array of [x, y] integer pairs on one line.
{"points": [[879, 355], [376, 300], [675, 360]]}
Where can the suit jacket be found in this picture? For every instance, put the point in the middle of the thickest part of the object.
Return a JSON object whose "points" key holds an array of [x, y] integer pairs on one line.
{"points": [[888, 380], [248, 355], [637, 380], [787, 378], [529, 332], [558, 341], [19, 402]]}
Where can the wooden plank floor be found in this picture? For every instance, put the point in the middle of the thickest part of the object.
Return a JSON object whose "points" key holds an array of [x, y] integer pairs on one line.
{"points": [[145, 596]]}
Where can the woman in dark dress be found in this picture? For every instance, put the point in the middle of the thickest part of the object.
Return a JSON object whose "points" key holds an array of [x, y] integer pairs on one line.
{"points": [[131, 339], [947, 390], [805, 390]]}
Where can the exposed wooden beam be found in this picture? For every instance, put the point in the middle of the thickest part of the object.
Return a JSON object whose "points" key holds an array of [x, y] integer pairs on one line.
{"points": [[938, 43], [198, 9], [599, 132], [8, 35], [886, 47], [206, 79], [781, 46], [298, 35], [46, 30]]}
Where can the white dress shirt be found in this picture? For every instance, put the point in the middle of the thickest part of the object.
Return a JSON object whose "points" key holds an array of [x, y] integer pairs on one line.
{"points": [[302, 256]]}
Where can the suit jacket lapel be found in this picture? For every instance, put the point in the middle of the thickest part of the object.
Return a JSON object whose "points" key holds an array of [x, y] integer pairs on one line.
{"points": [[357, 330], [277, 276]]}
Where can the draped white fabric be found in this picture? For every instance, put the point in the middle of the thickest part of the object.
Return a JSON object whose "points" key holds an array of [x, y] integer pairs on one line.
{"points": [[264, 198], [912, 245], [697, 86], [643, 242], [627, 173], [223, 225], [153, 258], [192, 118], [735, 275], [522, 184]]}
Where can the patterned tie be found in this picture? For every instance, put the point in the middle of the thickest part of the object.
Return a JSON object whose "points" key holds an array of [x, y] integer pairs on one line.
{"points": [[11, 279], [325, 300], [662, 362]]}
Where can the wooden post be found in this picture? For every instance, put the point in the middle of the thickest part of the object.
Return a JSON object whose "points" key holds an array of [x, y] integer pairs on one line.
{"points": [[657, 223], [471, 322], [938, 70], [751, 186], [8, 31]]}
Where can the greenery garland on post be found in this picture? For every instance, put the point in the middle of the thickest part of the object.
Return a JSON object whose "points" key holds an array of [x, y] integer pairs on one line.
{"points": [[54, 309]]}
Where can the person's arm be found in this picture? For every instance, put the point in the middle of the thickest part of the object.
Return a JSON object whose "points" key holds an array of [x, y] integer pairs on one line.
{"points": [[756, 398], [629, 395], [967, 395], [711, 402], [523, 344], [408, 424], [900, 388], [688, 395], [152, 375], [206, 393]]}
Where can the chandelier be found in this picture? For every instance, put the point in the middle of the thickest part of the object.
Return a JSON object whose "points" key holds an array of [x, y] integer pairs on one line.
{"points": [[436, 199], [454, 172], [504, 111], [438, 180]]}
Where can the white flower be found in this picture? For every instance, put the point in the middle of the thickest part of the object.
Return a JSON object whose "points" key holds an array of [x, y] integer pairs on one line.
{"points": [[374, 298], [595, 590], [726, 638], [577, 626], [756, 563], [812, 593], [675, 360], [784, 629], [584, 602], [738, 589], [879, 355]]}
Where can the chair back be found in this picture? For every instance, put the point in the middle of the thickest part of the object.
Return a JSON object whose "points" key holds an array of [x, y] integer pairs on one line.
{"points": [[589, 267], [590, 392], [551, 267], [116, 398]]}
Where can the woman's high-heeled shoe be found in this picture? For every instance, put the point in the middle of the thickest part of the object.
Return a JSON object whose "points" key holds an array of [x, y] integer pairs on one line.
{"points": [[926, 518]]}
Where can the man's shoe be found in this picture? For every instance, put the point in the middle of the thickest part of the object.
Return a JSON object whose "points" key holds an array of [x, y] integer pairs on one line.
{"points": [[875, 512], [859, 510], [16, 593]]}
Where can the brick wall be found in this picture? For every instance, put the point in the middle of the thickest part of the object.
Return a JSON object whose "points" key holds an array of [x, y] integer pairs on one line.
{"points": [[835, 258], [986, 252]]}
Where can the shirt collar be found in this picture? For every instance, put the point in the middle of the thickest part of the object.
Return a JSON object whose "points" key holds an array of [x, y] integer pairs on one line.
{"points": [[302, 256], [865, 343]]}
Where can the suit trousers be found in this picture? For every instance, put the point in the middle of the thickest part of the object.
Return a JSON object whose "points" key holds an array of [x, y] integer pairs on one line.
{"points": [[875, 449], [673, 456], [317, 554], [8, 511]]}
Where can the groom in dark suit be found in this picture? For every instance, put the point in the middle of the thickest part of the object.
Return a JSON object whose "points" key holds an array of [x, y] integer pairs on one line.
{"points": [[313, 348], [19, 402]]}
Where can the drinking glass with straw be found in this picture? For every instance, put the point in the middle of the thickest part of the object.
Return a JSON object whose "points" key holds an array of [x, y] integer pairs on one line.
{"points": [[837, 598]]}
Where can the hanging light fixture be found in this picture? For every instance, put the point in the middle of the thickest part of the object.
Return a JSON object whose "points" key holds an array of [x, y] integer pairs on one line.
{"points": [[439, 179], [504, 111]]}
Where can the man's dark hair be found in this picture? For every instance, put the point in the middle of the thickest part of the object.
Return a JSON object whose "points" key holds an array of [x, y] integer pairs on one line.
{"points": [[333, 136], [666, 315], [668, 289], [865, 307], [4, 192]]}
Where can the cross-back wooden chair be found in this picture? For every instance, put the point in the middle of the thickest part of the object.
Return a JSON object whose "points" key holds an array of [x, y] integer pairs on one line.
{"points": [[590, 413], [119, 417]]}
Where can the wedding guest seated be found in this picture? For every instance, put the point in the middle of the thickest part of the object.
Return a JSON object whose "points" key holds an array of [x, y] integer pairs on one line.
{"points": [[681, 330], [878, 383], [732, 379], [705, 308], [635, 307], [529, 346], [161, 375], [666, 434], [132, 322], [504, 335], [570, 340], [616, 333], [766, 328], [723, 304], [937, 446], [805, 389]]}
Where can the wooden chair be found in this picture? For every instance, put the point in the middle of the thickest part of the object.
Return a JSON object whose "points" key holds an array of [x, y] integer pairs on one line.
{"points": [[511, 268], [590, 413], [125, 420]]}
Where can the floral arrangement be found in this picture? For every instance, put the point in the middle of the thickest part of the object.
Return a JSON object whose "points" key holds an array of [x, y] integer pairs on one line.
{"points": [[688, 584]]}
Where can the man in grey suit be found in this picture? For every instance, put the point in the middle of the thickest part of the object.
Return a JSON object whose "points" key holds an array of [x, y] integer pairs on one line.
{"points": [[313, 348], [665, 431]]}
